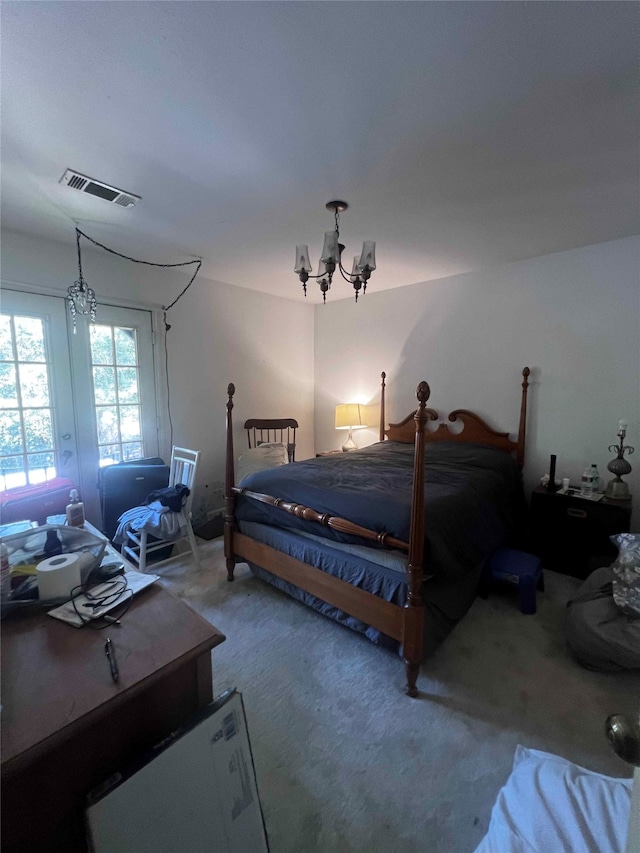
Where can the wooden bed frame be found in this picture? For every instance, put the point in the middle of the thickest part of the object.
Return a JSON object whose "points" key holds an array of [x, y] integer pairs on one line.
{"points": [[403, 623]]}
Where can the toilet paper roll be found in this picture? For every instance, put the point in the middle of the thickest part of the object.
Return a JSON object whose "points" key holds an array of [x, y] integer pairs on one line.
{"points": [[57, 576]]}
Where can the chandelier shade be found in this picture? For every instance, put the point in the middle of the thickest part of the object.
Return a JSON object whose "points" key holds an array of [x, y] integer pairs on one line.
{"points": [[368, 256], [330, 250], [303, 264], [323, 277], [331, 259]]}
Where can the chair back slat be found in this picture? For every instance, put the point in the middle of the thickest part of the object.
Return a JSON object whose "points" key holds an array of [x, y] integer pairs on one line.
{"points": [[276, 430], [184, 465]]}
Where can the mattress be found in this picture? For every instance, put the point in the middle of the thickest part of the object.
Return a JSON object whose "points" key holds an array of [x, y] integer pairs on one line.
{"points": [[474, 501]]}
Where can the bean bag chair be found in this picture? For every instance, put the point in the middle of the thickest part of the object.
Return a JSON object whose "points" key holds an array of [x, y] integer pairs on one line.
{"points": [[600, 634]]}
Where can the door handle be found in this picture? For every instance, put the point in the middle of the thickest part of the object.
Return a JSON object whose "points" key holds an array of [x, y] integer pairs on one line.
{"points": [[66, 456]]}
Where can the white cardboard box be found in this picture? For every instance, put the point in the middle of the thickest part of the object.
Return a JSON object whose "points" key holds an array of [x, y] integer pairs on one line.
{"points": [[196, 793]]}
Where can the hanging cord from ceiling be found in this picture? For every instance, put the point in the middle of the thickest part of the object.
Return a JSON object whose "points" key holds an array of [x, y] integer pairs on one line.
{"points": [[165, 308]]}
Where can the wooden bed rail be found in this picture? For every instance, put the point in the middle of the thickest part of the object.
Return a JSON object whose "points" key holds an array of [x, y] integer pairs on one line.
{"points": [[335, 522]]}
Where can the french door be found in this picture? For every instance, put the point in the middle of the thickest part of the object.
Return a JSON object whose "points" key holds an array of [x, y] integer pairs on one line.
{"points": [[73, 402]]}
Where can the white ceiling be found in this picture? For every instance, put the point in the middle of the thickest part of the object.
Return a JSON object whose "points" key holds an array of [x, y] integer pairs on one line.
{"points": [[462, 134]]}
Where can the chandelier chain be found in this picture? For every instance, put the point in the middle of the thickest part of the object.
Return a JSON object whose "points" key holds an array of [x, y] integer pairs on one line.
{"points": [[79, 254]]}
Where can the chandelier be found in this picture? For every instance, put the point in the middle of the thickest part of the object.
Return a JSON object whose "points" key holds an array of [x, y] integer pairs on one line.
{"points": [[81, 297], [331, 259]]}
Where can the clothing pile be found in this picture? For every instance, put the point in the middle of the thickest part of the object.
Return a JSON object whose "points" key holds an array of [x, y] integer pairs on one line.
{"points": [[161, 515]]}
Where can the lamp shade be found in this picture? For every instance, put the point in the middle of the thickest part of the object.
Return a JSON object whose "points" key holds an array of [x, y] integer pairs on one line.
{"points": [[349, 416]]}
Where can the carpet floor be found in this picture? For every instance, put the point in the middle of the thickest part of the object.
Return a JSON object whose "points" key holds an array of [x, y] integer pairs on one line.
{"points": [[346, 762]]}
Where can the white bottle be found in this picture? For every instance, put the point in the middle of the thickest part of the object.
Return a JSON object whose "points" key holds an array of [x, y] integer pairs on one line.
{"points": [[75, 510], [596, 478], [586, 484]]}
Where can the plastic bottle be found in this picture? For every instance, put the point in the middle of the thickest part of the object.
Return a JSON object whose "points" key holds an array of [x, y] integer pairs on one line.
{"points": [[75, 510], [596, 478], [586, 484], [53, 545]]}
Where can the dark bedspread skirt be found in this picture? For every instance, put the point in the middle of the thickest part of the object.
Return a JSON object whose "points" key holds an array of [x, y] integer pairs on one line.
{"points": [[445, 602]]}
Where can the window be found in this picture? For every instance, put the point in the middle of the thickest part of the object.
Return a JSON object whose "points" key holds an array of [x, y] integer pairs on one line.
{"points": [[71, 403], [116, 393], [27, 446]]}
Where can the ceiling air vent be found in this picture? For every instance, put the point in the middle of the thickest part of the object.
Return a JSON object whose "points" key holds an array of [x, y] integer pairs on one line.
{"points": [[88, 185]]}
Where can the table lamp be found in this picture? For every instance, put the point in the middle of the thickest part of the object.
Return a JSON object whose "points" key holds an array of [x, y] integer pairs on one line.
{"points": [[617, 488], [350, 416]]}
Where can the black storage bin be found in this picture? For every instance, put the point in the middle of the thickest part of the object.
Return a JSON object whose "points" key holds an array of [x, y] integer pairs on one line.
{"points": [[125, 485]]}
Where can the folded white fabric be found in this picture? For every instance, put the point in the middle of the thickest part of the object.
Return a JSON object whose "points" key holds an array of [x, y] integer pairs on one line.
{"points": [[550, 805]]}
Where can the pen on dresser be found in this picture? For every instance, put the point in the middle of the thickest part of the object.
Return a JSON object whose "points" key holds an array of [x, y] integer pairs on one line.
{"points": [[111, 657]]}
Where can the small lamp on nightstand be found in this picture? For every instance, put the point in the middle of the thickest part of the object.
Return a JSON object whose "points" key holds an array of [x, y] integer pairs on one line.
{"points": [[617, 488], [350, 416]]}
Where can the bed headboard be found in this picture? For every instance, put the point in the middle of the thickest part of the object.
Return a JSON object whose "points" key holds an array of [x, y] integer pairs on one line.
{"points": [[475, 429]]}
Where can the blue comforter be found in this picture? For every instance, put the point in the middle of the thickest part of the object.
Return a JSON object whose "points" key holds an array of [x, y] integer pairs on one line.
{"points": [[473, 498]]}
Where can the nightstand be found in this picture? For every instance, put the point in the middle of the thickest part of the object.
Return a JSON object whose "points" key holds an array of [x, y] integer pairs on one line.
{"points": [[328, 453], [571, 534]]}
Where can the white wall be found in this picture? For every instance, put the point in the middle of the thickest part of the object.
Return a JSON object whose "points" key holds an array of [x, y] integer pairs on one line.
{"points": [[219, 334], [572, 317]]}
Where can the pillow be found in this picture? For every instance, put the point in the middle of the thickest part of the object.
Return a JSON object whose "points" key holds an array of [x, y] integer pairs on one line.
{"points": [[266, 455], [550, 804], [626, 572]]}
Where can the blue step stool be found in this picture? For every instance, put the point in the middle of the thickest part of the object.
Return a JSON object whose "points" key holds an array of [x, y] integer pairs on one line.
{"points": [[523, 570]]}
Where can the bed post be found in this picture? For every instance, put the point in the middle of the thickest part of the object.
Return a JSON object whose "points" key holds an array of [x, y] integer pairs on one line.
{"points": [[523, 418], [229, 519], [383, 376], [413, 611]]}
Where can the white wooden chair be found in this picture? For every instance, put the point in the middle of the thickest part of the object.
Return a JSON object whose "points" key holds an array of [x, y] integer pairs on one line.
{"points": [[184, 465]]}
